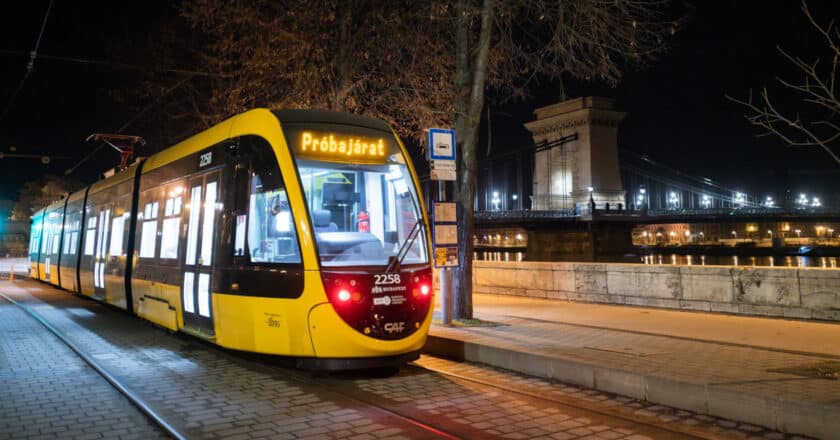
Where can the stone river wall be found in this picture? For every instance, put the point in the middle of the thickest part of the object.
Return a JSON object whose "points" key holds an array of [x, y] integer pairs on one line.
{"points": [[805, 293]]}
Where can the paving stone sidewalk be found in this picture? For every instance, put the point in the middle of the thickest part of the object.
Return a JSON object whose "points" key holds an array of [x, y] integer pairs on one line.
{"points": [[705, 371], [47, 391]]}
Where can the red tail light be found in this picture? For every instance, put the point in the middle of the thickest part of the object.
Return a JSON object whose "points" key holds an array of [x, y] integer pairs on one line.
{"points": [[381, 305], [343, 295]]}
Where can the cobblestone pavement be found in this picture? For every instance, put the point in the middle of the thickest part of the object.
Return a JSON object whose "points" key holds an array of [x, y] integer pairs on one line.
{"points": [[208, 392], [47, 391]]}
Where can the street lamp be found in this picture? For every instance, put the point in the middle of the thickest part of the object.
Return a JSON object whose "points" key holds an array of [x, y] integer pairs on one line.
{"points": [[769, 203], [816, 202], [706, 201], [802, 201], [496, 200], [798, 231], [739, 199], [673, 201]]}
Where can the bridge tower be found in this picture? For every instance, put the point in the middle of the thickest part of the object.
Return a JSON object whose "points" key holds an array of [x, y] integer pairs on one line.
{"points": [[564, 172]]}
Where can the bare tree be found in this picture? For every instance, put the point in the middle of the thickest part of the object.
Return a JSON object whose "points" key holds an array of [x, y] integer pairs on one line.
{"points": [[415, 64], [362, 56], [38, 193], [814, 120], [505, 45]]}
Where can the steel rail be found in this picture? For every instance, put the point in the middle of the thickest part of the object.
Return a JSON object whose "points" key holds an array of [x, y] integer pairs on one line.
{"points": [[635, 420], [124, 390]]}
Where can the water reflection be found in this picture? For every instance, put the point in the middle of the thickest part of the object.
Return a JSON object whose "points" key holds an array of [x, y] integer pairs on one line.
{"points": [[735, 260], [693, 260], [499, 256]]}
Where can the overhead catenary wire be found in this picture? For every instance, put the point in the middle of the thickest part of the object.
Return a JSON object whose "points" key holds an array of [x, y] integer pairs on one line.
{"points": [[114, 64], [128, 123], [30, 65]]}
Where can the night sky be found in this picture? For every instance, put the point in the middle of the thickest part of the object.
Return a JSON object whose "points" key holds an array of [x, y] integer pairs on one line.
{"points": [[677, 112]]}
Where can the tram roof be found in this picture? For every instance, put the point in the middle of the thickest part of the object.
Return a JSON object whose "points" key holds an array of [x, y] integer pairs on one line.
{"points": [[330, 117]]}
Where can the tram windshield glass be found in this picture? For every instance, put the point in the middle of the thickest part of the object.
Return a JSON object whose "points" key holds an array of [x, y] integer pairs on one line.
{"points": [[361, 197]]}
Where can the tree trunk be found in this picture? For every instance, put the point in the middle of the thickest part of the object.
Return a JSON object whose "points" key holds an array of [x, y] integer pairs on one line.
{"points": [[469, 102]]}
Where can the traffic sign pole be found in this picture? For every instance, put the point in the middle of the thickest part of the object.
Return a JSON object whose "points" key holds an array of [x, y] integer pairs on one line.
{"points": [[442, 161], [445, 274]]}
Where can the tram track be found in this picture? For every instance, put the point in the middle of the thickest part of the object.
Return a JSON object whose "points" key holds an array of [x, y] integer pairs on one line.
{"points": [[580, 405], [124, 390], [298, 376], [344, 387]]}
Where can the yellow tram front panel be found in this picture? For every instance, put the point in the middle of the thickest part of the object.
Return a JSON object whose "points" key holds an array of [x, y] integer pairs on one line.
{"points": [[268, 325]]}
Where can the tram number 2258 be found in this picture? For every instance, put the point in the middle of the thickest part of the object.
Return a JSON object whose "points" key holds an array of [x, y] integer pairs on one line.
{"points": [[387, 278], [205, 159]]}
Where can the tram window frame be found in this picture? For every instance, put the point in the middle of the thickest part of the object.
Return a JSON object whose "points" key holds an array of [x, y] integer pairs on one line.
{"points": [[150, 210], [174, 192], [117, 241], [258, 159], [90, 235]]}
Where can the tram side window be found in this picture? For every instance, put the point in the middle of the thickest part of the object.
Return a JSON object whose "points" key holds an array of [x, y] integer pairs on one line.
{"points": [[55, 239], [271, 229], [171, 226], [66, 250], [72, 238], [148, 238], [90, 235], [117, 232]]}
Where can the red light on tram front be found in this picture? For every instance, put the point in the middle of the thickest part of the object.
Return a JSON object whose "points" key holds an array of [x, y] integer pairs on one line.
{"points": [[343, 295], [424, 289]]}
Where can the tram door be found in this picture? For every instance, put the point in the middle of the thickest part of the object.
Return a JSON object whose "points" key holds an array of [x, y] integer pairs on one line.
{"points": [[100, 251], [198, 258]]}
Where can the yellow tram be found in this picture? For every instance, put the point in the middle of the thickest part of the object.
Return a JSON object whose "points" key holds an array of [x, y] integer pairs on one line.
{"points": [[291, 232]]}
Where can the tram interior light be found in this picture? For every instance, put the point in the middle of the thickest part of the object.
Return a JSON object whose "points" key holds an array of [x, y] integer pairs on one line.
{"points": [[283, 221]]}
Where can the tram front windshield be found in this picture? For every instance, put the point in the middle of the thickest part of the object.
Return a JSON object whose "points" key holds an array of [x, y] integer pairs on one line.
{"points": [[361, 198]]}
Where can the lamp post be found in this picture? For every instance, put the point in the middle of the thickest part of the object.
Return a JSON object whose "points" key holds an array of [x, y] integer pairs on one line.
{"points": [[496, 200], [706, 201]]}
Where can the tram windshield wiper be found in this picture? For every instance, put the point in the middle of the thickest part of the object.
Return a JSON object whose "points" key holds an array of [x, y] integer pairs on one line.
{"points": [[396, 260]]}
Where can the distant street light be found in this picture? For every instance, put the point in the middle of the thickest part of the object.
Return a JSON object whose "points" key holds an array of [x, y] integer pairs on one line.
{"points": [[769, 203], [739, 199], [798, 231], [706, 201], [816, 202], [802, 201], [673, 201], [496, 200]]}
